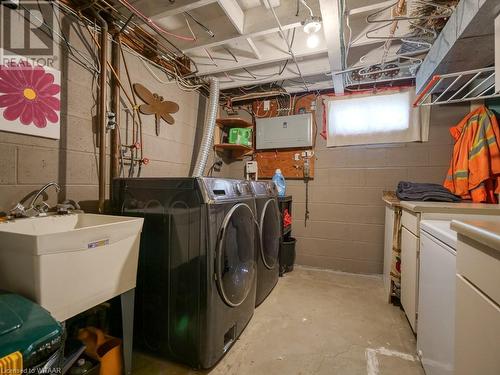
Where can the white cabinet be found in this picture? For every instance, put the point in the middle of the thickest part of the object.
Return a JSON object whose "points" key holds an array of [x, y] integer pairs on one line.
{"points": [[409, 275], [436, 299], [477, 331], [389, 227]]}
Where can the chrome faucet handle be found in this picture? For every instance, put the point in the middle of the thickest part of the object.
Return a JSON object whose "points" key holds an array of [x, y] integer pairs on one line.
{"points": [[18, 211], [42, 208]]}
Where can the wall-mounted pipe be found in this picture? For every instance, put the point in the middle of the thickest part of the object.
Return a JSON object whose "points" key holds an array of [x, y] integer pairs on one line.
{"points": [[208, 133], [115, 107], [101, 109]]}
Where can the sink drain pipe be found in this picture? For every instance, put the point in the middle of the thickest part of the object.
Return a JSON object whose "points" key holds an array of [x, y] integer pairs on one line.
{"points": [[208, 133]]}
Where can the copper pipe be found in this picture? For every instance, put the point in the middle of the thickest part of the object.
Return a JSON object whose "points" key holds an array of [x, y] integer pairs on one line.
{"points": [[115, 107], [101, 114]]}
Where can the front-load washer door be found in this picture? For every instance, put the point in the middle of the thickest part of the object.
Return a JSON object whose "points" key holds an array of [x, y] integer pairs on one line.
{"points": [[235, 265], [270, 233]]}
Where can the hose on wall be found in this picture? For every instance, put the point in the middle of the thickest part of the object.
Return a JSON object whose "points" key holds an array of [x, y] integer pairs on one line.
{"points": [[208, 134]]}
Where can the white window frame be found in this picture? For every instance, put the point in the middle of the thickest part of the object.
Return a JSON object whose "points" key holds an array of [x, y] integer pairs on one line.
{"points": [[417, 130]]}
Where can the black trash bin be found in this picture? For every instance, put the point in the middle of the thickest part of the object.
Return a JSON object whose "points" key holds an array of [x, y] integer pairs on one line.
{"points": [[287, 255]]}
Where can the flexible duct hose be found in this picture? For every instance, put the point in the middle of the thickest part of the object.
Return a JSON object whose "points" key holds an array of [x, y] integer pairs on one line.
{"points": [[208, 134]]}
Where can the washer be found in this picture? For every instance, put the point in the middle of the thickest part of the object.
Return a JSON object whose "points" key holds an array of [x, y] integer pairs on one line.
{"points": [[197, 265], [268, 239]]}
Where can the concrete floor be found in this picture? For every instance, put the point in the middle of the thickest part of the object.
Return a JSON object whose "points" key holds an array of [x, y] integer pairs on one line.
{"points": [[315, 322]]}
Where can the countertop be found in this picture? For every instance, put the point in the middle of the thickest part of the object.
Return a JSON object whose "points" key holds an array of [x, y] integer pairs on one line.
{"points": [[486, 232], [389, 197], [462, 207]]}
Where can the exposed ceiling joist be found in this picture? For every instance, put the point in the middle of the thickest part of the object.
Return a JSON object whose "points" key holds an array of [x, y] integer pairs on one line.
{"points": [[369, 8], [162, 9], [271, 50], [234, 13], [258, 21], [311, 67], [330, 12], [254, 48]]}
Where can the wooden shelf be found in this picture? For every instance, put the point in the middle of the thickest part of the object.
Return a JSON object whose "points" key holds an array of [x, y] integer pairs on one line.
{"points": [[236, 151], [235, 122]]}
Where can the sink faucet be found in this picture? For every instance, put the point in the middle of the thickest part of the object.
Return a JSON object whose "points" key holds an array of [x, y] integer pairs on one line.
{"points": [[34, 210]]}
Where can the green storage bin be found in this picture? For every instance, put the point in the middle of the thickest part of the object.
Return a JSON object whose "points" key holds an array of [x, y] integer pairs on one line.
{"points": [[27, 328], [240, 136]]}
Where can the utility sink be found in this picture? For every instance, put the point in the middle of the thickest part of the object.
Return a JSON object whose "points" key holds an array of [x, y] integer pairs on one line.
{"points": [[69, 263]]}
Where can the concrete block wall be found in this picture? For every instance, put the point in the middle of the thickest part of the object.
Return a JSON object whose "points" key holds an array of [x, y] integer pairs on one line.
{"points": [[27, 162], [345, 230]]}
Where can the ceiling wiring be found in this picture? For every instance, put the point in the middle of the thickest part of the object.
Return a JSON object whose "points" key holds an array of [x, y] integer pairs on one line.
{"points": [[189, 28], [152, 23], [287, 42], [205, 28]]}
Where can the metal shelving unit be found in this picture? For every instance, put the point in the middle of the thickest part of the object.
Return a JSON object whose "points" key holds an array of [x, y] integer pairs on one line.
{"points": [[477, 84]]}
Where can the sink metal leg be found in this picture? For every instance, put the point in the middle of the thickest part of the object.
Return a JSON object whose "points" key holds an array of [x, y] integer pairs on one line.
{"points": [[127, 302]]}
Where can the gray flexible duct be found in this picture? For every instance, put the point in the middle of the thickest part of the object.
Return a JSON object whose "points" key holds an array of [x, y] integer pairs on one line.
{"points": [[208, 134]]}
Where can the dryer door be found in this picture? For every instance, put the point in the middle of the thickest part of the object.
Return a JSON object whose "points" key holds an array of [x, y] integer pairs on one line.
{"points": [[236, 255], [270, 233]]}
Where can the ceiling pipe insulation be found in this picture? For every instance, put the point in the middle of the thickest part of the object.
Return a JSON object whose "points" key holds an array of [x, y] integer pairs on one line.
{"points": [[208, 133]]}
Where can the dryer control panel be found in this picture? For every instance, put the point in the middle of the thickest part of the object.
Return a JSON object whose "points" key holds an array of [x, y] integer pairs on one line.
{"points": [[220, 189]]}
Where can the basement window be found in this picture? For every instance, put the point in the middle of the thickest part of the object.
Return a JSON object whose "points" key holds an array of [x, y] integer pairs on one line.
{"points": [[386, 117]]}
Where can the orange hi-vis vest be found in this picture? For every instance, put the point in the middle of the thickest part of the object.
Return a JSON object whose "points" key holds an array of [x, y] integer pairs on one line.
{"points": [[475, 166]]}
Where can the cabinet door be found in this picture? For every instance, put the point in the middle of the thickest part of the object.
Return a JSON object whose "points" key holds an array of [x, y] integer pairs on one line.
{"points": [[477, 332], [389, 226], [409, 275]]}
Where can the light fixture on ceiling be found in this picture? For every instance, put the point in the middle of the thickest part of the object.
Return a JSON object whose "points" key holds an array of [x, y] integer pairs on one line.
{"points": [[311, 27]]}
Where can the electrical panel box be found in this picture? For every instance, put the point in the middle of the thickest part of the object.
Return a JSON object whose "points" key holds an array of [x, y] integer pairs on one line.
{"points": [[284, 132]]}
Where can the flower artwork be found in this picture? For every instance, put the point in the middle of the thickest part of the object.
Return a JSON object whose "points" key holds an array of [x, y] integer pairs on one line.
{"points": [[29, 99]]}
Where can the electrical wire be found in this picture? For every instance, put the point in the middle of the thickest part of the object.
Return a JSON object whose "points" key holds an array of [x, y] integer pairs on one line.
{"points": [[287, 43], [308, 7], [153, 24], [206, 29]]}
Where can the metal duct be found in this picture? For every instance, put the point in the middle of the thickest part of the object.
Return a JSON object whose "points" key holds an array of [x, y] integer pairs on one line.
{"points": [[208, 134]]}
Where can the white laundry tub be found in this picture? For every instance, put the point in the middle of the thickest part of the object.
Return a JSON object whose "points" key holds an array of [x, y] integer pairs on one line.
{"points": [[69, 263]]}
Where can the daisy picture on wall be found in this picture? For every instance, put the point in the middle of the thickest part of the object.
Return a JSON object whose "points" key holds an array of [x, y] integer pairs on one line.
{"points": [[29, 98]]}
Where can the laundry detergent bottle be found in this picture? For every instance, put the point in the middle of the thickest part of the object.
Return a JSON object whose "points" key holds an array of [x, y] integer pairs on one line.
{"points": [[279, 180]]}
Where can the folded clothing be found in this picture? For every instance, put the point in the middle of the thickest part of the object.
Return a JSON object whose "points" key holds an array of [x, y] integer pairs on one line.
{"points": [[413, 191]]}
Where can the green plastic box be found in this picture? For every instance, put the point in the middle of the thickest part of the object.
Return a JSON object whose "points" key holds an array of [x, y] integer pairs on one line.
{"points": [[27, 328], [240, 136]]}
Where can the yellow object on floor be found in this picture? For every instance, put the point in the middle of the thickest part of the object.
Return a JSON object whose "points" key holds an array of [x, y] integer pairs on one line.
{"points": [[11, 364], [110, 356], [105, 349]]}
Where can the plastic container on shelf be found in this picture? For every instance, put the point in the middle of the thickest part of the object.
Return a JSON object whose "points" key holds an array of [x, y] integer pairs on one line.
{"points": [[280, 182], [240, 136]]}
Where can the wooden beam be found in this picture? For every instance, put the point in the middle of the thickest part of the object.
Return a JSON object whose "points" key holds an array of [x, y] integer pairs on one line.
{"points": [[161, 9], [369, 8], [258, 21], [270, 50], [332, 18], [254, 48], [310, 67], [234, 13]]}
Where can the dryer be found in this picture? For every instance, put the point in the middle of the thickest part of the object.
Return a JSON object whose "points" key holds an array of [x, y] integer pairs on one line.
{"points": [[268, 239], [196, 280]]}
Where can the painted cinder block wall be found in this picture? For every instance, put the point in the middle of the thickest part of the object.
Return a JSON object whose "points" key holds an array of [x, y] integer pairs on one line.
{"points": [[27, 162], [345, 230]]}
